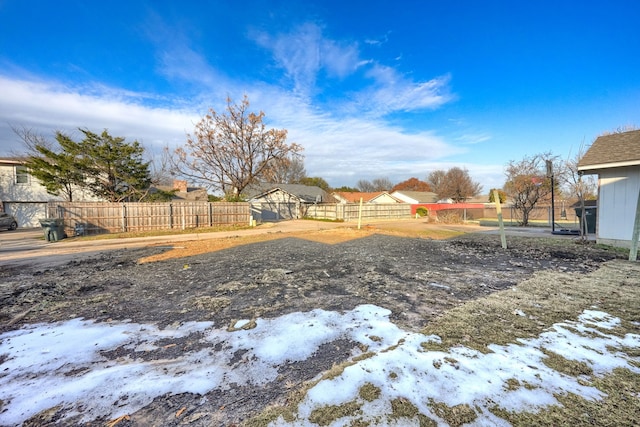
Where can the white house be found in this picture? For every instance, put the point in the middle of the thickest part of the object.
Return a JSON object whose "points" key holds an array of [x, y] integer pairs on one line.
{"points": [[22, 195], [367, 197], [615, 159], [416, 197]]}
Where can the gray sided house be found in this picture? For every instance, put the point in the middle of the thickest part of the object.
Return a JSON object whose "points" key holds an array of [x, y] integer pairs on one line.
{"points": [[615, 159], [274, 202]]}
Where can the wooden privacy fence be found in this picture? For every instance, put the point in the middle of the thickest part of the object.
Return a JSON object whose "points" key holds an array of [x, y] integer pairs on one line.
{"points": [[350, 211], [104, 217]]}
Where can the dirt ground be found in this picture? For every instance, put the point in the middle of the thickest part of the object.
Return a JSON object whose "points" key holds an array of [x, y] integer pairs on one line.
{"points": [[396, 267]]}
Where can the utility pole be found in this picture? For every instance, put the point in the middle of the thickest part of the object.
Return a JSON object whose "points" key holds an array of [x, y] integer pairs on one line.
{"points": [[553, 207]]}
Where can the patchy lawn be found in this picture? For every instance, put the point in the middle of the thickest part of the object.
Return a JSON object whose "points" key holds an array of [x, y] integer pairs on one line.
{"points": [[337, 327]]}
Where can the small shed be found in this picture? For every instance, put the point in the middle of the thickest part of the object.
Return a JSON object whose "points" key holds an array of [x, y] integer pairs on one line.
{"points": [[615, 158], [274, 202]]}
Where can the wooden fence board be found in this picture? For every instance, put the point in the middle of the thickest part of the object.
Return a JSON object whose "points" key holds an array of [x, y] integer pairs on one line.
{"points": [[349, 211], [104, 217]]}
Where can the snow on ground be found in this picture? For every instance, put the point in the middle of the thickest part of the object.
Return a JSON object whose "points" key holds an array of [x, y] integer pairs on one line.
{"points": [[44, 365]]}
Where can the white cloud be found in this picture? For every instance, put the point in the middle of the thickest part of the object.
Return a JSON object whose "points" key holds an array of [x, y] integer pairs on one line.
{"points": [[378, 41], [394, 92], [47, 106], [341, 149], [345, 149], [340, 60], [473, 138], [304, 52]]}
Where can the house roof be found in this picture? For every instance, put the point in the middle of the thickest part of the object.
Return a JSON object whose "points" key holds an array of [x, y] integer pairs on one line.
{"points": [[481, 198], [12, 160], [417, 196], [305, 193], [355, 196], [610, 151]]}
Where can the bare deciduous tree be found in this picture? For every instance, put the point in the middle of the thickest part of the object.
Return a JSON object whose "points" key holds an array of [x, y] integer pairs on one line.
{"points": [[230, 151], [377, 184], [527, 183], [580, 186], [286, 170], [455, 184], [436, 180], [31, 141]]}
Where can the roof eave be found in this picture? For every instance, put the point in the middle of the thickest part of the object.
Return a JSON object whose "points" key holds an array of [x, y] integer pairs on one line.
{"points": [[587, 168]]}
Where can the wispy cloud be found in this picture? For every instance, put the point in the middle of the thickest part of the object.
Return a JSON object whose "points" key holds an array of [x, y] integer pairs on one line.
{"points": [[473, 138], [180, 62], [392, 91], [378, 41], [345, 149], [304, 52]]}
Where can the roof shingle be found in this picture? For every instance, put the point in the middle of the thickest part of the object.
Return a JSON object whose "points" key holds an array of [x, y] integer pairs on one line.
{"points": [[617, 149]]}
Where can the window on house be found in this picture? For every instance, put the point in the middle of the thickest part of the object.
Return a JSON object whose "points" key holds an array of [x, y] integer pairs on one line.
{"points": [[22, 175]]}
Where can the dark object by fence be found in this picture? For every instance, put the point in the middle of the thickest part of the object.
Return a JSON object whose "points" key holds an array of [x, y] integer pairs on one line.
{"points": [[53, 229]]}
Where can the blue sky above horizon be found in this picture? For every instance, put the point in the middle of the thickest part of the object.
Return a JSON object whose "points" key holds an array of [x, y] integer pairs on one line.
{"points": [[369, 89]]}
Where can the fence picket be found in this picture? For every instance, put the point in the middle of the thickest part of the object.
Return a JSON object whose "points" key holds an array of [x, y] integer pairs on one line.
{"points": [[104, 217]]}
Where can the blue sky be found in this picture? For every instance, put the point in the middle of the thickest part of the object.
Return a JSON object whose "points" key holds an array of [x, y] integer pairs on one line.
{"points": [[369, 88]]}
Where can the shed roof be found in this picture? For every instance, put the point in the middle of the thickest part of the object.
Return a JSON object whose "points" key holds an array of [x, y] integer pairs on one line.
{"points": [[306, 193], [610, 151]]}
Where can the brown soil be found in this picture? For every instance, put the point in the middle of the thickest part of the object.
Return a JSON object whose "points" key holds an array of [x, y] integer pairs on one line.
{"points": [[395, 267]]}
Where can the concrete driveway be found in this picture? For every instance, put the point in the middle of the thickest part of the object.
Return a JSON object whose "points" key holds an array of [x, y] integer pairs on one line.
{"points": [[20, 242], [28, 247]]}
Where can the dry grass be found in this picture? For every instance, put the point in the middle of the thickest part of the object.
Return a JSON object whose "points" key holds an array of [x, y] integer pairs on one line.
{"points": [[329, 237], [454, 415], [172, 232], [545, 299], [328, 414]]}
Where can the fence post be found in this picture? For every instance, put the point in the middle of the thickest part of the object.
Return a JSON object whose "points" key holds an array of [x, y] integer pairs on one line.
{"points": [[124, 218], [503, 238]]}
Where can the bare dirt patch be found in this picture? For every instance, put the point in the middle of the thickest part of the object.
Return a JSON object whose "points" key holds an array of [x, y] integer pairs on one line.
{"points": [[404, 270]]}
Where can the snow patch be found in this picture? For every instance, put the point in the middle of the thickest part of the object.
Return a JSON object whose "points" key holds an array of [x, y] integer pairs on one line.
{"points": [[65, 363]]}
